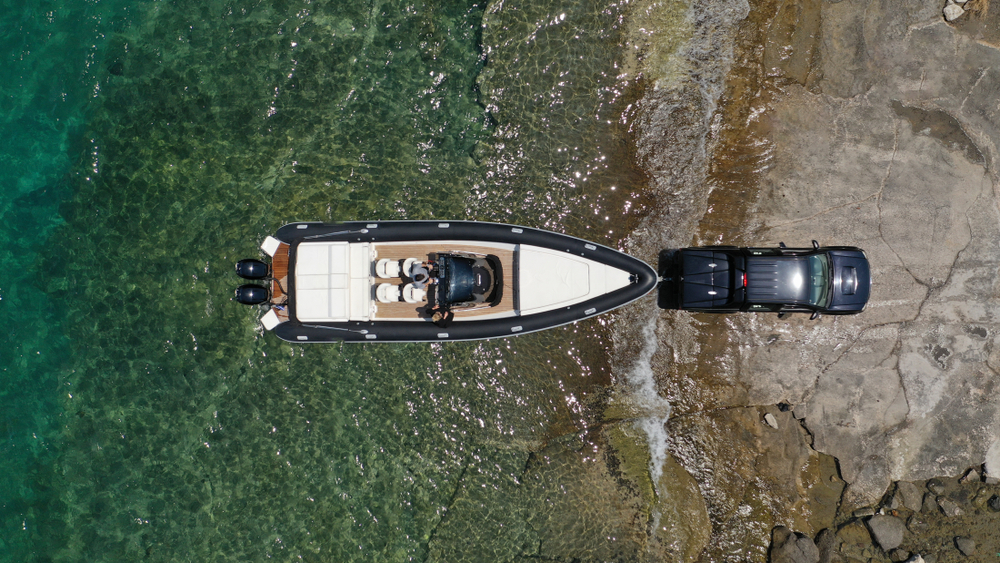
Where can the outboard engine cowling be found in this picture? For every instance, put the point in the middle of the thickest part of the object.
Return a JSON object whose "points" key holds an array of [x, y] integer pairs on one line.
{"points": [[251, 294], [251, 269]]}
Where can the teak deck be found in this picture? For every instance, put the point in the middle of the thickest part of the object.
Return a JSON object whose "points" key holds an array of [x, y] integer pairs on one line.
{"points": [[279, 271], [402, 251]]}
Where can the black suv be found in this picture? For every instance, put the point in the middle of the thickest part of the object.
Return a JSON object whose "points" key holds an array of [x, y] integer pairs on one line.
{"points": [[726, 279]]}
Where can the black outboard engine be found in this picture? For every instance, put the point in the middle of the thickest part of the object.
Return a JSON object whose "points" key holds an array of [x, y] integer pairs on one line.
{"points": [[252, 294], [251, 269]]}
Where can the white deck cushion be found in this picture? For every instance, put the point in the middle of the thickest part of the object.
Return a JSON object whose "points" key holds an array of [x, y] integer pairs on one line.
{"points": [[360, 299], [361, 261], [332, 281], [550, 279]]}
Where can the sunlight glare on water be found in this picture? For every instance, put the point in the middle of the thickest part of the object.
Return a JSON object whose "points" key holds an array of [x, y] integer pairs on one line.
{"points": [[162, 422], [150, 145]]}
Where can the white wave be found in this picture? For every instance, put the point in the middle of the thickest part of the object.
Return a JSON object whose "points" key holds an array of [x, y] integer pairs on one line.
{"points": [[652, 409]]}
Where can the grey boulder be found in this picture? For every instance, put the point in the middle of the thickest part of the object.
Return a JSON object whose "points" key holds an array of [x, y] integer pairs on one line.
{"points": [[791, 547], [887, 530], [965, 545]]}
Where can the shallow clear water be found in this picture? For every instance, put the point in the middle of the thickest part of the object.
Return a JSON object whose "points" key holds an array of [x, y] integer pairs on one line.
{"points": [[149, 145]]}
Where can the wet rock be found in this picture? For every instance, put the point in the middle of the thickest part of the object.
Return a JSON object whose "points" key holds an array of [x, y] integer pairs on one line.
{"points": [[685, 528], [854, 539], [790, 547], [781, 480], [935, 486], [930, 558], [965, 545], [917, 525], [981, 497], [994, 503], [827, 544], [948, 507], [930, 504], [912, 496], [971, 476], [899, 555], [887, 531], [780, 535], [863, 512]]}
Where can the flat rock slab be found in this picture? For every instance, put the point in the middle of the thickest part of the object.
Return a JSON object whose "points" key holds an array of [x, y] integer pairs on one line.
{"points": [[893, 149]]}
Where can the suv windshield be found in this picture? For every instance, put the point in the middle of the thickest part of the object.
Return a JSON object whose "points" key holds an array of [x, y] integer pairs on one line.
{"points": [[819, 280]]}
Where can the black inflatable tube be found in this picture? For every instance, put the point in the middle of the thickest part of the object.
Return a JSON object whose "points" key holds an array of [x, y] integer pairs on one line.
{"points": [[644, 276]]}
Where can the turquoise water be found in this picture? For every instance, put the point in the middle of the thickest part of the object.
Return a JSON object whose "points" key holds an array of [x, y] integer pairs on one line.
{"points": [[149, 145]]}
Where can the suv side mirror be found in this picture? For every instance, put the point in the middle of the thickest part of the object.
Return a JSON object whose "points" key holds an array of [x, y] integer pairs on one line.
{"points": [[814, 316], [815, 245]]}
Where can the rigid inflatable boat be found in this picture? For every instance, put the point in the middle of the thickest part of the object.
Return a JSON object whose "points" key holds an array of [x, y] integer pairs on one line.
{"points": [[433, 281]]}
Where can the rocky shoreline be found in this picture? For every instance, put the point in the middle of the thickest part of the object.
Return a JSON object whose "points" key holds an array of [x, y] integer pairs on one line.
{"points": [[889, 143], [938, 520], [873, 124]]}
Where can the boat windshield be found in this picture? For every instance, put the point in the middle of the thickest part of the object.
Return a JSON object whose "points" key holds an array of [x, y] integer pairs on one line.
{"points": [[819, 280]]}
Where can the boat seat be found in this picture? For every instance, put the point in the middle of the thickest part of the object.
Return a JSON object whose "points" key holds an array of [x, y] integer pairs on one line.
{"points": [[412, 294], [387, 268], [387, 293], [408, 265]]}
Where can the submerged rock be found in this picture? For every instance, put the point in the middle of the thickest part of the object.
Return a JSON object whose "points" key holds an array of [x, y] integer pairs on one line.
{"points": [[917, 525], [790, 547], [966, 545], [971, 476], [854, 538], [948, 507], [935, 486], [887, 530], [930, 504], [827, 544]]}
